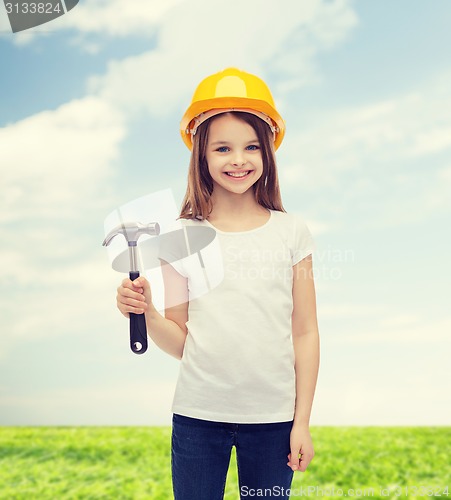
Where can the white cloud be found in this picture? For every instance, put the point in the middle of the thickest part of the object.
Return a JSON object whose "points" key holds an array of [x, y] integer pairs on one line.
{"points": [[317, 227], [343, 310], [53, 162], [406, 399], [57, 301], [445, 174], [321, 26], [384, 164], [392, 372], [400, 320], [128, 403], [432, 141], [57, 165], [118, 18], [114, 18], [196, 40], [388, 134], [53, 166], [405, 330], [241, 32]]}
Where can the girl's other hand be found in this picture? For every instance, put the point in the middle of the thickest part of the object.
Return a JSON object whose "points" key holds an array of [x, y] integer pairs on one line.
{"points": [[133, 297], [300, 443]]}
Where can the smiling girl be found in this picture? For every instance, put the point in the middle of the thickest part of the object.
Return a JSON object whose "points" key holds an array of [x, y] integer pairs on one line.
{"points": [[249, 348]]}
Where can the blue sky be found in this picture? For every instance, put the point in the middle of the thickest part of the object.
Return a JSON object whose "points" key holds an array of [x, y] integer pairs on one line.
{"points": [[89, 111]]}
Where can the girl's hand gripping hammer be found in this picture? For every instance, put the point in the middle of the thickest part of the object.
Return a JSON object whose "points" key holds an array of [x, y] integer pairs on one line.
{"points": [[132, 231]]}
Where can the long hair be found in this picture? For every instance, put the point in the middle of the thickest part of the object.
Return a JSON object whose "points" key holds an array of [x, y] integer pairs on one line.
{"points": [[197, 202]]}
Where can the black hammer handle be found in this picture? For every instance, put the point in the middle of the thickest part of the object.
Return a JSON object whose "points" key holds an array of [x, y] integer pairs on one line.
{"points": [[138, 329]]}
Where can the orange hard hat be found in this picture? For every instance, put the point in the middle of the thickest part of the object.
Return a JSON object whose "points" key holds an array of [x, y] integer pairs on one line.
{"points": [[231, 90]]}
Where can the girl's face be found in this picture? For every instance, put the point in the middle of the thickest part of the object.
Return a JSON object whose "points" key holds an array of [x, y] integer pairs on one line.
{"points": [[233, 148]]}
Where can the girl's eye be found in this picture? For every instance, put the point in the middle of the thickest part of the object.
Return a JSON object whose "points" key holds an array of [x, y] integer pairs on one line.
{"points": [[253, 147], [222, 149]]}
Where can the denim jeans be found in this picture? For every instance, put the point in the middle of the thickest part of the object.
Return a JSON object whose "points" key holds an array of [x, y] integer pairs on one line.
{"points": [[200, 458]]}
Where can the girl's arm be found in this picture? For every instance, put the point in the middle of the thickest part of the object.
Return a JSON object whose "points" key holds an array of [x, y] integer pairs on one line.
{"points": [[306, 350], [305, 339], [169, 332]]}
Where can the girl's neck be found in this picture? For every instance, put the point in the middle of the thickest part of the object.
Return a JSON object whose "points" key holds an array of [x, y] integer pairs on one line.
{"points": [[235, 207]]}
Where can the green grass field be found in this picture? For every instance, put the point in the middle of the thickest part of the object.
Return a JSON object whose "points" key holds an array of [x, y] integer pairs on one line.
{"points": [[134, 463]]}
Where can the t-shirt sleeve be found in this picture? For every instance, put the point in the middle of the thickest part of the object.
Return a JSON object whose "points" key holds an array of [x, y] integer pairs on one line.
{"points": [[303, 243]]}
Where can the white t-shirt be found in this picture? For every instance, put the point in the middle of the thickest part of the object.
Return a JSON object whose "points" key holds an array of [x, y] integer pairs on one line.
{"points": [[238, 361]]}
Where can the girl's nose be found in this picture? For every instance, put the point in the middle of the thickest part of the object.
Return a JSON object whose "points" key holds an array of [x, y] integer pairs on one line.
{"points": [[239, 160]]}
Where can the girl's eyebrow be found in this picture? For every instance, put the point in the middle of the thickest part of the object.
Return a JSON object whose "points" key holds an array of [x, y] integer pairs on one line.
{"points": [[225, 142]]}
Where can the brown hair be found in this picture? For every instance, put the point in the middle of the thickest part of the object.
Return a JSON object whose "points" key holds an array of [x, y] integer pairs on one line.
{"points": [[197, 201]]}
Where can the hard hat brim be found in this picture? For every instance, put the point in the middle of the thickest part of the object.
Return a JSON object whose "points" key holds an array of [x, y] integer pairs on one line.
{"points": [[229, 103]]}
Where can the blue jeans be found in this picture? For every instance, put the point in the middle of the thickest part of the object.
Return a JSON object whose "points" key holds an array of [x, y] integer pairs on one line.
{"points": [[200, 458]]}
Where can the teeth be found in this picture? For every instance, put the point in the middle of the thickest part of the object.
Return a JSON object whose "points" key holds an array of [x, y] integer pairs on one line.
{"points": [[237, 175]]}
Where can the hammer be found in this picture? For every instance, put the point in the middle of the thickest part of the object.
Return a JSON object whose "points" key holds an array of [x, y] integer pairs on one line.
{"points": [[132, 231]]}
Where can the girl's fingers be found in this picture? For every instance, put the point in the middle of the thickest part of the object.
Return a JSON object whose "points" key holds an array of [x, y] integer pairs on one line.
{"points": [[137, 304], [135, 310], [132, 302], [126, 292], [128, 283], [291, 464], [142, 286], [130, 308], [303, 462], [130, 292]]}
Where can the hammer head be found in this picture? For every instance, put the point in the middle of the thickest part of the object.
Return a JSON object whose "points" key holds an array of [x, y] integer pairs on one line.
{"points": [[132, 231]]}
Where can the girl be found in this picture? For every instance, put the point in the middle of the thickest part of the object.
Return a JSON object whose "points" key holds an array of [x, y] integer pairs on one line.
{"points": [[249, 348]]}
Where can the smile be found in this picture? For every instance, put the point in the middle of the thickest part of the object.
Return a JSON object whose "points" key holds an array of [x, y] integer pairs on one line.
{"points": [[238, 175]]}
